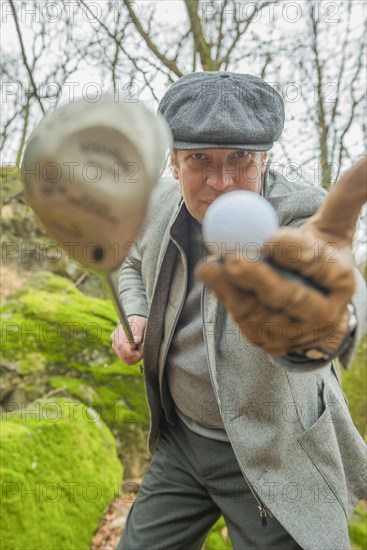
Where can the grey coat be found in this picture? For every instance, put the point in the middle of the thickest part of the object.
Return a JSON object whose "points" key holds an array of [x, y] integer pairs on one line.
{"points": [[291, 431]]}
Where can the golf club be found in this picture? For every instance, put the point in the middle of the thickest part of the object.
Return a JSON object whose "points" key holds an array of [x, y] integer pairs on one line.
{"points": [[88, 171]]}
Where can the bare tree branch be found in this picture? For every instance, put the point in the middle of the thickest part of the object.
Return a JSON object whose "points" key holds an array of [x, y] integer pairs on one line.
{"points": [[201, 45], [322, 123], [240, 32], [169, 63], [24, 56], [220, 29]]}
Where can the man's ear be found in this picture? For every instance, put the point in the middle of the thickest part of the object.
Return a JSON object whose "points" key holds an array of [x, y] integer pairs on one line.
{"points": [[264, 159], [175, 170]]}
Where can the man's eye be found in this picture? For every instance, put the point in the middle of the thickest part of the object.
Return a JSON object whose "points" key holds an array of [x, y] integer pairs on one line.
{"points": [[198, 156], [241, 154]]}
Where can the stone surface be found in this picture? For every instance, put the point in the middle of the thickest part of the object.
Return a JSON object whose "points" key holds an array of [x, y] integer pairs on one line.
{"points": [[59, 469], [57, 338]]}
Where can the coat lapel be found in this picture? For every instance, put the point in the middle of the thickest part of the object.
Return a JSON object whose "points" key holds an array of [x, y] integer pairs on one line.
{"points": [[165, 269]]}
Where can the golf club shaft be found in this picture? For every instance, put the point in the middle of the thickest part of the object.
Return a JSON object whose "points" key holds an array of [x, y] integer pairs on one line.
{"points": [[107, 276]]}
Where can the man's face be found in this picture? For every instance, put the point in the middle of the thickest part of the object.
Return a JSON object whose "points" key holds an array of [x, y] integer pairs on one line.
{"points": [[206, 174]]}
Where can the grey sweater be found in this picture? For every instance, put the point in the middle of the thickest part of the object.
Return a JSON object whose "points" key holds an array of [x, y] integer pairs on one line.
{"points": [[187, 365]]}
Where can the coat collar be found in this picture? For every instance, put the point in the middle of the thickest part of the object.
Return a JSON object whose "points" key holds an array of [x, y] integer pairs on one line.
{"points": [[179, 226]]}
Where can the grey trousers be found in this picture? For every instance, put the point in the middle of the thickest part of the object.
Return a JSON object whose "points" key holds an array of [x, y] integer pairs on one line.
{"points": [[190, 482]]}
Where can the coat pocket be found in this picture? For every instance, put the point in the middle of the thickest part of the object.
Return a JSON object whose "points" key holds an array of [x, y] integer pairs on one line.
{"points": [[326, 445]]}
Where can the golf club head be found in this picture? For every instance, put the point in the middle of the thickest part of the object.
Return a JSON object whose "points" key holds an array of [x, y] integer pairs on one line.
{"points": [[88, 171]]}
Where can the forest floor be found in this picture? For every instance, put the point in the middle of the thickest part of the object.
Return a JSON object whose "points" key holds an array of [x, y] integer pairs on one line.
{"points": [[112, 523]]}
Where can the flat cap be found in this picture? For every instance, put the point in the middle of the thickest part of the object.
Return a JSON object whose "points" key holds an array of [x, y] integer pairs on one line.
{"points": [[223, 110]]}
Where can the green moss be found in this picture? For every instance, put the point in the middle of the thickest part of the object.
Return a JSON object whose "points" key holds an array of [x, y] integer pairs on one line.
{"points": [[59, 472], [34, 362], [54, 337], [119, 400], [76, 387], [358, 527], [57, 321], [115, 367], [10, 181], [354, 382], [60, 323], [215, 540]]}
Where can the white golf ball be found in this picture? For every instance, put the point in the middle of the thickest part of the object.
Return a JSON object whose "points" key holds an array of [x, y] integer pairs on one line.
{"points": [[238, 222]]}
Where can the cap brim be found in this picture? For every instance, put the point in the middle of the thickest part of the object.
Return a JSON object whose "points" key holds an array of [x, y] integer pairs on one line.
{"points": [[188, 145]]}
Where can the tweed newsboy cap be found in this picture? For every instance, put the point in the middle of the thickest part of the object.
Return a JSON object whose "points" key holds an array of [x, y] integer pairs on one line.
{"points": [[223, 110]]}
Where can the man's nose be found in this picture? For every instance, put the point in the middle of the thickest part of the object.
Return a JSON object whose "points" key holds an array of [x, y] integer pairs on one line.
{"points": [[220, 176]]}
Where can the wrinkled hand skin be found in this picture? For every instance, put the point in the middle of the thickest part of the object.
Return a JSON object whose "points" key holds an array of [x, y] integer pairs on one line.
{"points": [[284, 315]]}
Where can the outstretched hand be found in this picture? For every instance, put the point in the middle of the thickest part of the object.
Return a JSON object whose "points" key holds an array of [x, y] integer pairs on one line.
{"points": [[283, 315]]}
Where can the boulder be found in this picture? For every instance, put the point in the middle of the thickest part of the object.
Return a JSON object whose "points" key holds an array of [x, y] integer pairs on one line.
{"points": [[57, 338], [59, 469]]}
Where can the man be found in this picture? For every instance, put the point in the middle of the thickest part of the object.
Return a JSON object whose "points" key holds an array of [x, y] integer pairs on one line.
{"points": [[264, 439]]}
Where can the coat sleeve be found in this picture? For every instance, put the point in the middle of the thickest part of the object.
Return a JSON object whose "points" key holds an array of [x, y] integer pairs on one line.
{"points": [[131, 286], [359, 300]]}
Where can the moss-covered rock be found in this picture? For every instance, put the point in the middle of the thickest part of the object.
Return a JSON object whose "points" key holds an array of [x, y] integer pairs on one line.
{"points": [[56, 337], [25, 245], [59, 471]]}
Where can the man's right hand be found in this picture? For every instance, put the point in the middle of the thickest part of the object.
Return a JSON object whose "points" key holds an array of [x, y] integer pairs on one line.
{"points": [[120, 344]]}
